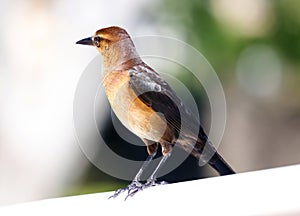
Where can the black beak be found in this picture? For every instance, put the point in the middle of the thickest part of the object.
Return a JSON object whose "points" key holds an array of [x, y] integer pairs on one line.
{"points": [[86, 41]]}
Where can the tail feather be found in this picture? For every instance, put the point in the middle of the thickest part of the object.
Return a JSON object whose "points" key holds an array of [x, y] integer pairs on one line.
{"points": [[216, 161], [220, 165]]}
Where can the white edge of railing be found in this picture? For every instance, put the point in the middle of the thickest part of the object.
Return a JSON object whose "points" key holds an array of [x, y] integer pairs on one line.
{"points": [[266, 192]]}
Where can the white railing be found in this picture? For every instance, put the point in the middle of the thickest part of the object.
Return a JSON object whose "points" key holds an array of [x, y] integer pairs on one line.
{"points": [[267, 192]]}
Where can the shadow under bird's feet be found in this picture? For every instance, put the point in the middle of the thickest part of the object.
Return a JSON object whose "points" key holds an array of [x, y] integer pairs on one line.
{"points": [[135, 187]]}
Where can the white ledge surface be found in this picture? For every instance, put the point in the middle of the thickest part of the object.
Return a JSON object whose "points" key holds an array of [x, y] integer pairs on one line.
{"points": [[267, 192]]}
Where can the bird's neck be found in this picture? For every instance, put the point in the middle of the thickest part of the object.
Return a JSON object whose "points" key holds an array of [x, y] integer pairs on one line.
{"points": [[120, 56]]}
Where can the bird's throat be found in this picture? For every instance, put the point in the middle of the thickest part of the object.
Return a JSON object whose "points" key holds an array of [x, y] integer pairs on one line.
{"points": [[118, 55]]}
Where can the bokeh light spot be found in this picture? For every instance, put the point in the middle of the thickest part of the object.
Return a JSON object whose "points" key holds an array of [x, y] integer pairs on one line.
{"points": [[259, 71]]}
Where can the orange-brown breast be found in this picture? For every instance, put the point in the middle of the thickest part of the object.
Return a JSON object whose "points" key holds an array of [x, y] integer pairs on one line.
{"points": [[130, 110]]}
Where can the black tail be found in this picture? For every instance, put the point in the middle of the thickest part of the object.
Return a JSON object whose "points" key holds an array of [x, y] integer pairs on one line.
{"points": [[217, 162], [220, 165]]}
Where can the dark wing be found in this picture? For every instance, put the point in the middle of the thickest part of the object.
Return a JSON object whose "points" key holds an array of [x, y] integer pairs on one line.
{"points": [[157, 94]]}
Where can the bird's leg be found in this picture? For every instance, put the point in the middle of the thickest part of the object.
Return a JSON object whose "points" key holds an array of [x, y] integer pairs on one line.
{"points": [[152, 179], [135, 184]]}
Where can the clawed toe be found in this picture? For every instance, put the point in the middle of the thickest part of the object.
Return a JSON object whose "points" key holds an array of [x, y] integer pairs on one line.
{"points": [[133, 190], [135, 187], [118, 192], [151, 183]]}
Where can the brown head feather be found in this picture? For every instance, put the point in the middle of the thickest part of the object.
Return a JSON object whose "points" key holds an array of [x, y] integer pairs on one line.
{"points": [[116, 47], [112, 34]]}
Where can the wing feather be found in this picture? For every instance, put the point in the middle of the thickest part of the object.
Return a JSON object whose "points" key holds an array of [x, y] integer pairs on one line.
{"points": [[157, 94]]}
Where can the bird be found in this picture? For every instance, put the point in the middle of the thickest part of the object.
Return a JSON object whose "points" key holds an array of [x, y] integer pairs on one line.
{"points": [[148, 106]]}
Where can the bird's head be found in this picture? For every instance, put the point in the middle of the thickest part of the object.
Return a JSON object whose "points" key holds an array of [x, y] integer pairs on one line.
{"points": [[115, 46], [104, 38]]}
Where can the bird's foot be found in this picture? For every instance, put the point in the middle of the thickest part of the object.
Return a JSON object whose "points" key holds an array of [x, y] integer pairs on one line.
{"points": [[133, 186], [148, 184], [134, 189], [153, 182]]}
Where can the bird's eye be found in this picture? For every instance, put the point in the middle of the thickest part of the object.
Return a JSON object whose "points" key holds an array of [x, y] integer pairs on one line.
{"points": [[96, 41]]}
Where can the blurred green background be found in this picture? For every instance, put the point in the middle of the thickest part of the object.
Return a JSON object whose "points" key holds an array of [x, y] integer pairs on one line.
{"points": [[253, 45]]}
